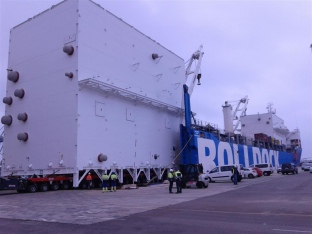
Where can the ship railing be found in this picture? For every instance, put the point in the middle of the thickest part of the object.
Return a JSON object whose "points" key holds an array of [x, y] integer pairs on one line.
{"points": [[204, 126]]}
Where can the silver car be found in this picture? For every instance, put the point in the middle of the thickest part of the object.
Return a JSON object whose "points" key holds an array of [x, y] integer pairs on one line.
{"points": [[306, 166]]}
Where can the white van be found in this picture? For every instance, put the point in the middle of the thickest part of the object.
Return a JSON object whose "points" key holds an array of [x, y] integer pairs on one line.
{"points": [[266, 168], [223, 173]]}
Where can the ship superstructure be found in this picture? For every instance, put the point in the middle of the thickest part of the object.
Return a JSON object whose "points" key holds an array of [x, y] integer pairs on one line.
{"points": [[270, 128]]}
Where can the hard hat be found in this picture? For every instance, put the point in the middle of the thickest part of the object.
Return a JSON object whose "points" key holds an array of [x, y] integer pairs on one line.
{"points": [[171, 169]]}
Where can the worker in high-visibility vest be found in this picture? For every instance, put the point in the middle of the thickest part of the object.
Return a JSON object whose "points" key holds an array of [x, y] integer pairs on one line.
{"points": [[89, 180], [105, 179], [113, 178], [178, 178], [170, 178]]}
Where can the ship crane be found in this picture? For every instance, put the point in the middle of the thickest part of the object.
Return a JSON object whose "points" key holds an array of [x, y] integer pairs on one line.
{"points": [[190, 167], [192, 75], [232, 118]]}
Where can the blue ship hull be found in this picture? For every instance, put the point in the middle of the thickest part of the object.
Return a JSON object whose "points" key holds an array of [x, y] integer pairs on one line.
{"points": [[205, 148]]}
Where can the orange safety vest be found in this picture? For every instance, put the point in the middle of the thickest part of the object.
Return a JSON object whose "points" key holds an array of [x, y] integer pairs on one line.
{"points": [[89, 177]]}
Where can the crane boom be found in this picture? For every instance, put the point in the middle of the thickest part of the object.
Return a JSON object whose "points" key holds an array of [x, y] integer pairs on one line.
{"points": [[192, 75]]}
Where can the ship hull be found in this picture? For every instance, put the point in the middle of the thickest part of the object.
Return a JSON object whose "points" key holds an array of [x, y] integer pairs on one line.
{"points": [[209, 151]]}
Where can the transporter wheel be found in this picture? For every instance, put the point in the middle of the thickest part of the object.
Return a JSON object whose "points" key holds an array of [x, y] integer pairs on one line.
{"points": [[55, 186], [65, 186], [32, 188], [199, 184], [44, 187], [83, 185]]}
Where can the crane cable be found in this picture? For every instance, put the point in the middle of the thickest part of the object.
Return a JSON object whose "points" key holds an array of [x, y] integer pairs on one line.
{"points": [[172, 160]]}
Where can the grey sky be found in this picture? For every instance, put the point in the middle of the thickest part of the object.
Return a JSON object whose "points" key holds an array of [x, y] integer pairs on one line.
{"points": [[255, 48]]}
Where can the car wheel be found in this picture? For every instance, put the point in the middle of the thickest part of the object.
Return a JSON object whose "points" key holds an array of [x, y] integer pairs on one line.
{"points": [[199, 185], [283, 173], [250, 176]]}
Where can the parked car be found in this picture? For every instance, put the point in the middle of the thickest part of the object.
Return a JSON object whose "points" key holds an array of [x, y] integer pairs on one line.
{"points": [[310, 169], [257, 170], [279, 169], [266, 168], [289, 168], [306, 166], [223, 173], [249, 172]]}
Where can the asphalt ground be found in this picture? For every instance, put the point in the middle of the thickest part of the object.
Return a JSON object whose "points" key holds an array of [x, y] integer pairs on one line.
{"points": [[270, 204]]}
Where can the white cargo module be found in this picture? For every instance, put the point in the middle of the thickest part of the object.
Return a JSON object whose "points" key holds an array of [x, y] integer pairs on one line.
{"points": [[86, 91]]}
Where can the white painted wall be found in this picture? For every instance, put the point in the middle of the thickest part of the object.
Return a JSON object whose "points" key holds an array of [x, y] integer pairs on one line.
{"points": [[74, 124], [36, 52]]}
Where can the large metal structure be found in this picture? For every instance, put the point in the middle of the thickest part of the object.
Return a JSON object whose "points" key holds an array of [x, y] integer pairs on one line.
{"points": [[232, 119], [88, 92]]}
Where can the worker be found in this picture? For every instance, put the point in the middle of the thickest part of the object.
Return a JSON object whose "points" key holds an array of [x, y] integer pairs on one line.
{"points": [[113, 178], [89, 180], [235, 174], [178, 178], [105, 179], [170, 178]]}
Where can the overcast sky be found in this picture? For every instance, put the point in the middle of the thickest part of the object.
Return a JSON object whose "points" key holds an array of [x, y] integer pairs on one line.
{"points": [[255, 48]]}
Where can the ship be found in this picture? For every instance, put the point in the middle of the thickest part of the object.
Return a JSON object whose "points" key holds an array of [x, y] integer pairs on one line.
{"points": [[88, 93], [246, 140]]}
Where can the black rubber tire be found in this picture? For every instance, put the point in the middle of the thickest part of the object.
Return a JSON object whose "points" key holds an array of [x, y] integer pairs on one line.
{"points": [[55, 186], [44, 187], [250, 176], [83, 185], [32, 188], [65, 186], [199, 185]]}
